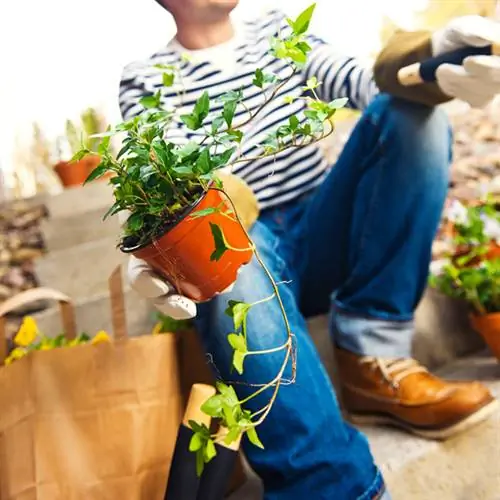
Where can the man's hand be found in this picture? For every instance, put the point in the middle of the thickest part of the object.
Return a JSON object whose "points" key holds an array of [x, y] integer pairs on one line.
{"points": [[151, 286], [477, 81]]}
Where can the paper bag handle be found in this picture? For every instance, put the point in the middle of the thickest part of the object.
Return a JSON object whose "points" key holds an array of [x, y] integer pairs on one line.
{"points": [[117, 299], [33, 295]]}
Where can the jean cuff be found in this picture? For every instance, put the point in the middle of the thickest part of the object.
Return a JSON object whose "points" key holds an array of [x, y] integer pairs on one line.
{"points": [[377, 490], [369, 336]]}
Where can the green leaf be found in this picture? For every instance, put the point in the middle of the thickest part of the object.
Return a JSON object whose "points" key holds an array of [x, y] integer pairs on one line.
{"points": [[237, 342], [232, 435], [220, 242], [151, 101], [200, 462], [338, 103], [212, 406], [114, 209], [238, 359], [199, 428], [228, 112], [217, 124], [258, 80], [236, 134], [135, 222], [196, 442], [183, 170], [311, 83], [192, 122], [210, 451], [204, 212], [99, 171], [254, 438], [293, 122], [188, 149], [168, 79], [301, 24], [201, 107], [228, 392], [238, 311], [203, 162]]}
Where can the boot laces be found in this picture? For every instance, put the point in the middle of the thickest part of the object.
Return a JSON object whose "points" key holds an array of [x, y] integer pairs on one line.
{"points": [[394, 370]]}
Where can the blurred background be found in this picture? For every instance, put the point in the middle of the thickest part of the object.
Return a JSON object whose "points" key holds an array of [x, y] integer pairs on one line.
{"points": [[61, 59]]}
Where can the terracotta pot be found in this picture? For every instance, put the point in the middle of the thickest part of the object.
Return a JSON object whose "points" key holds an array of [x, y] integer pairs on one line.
{"points": [[75, 173], [488, 325], [182, 253]]}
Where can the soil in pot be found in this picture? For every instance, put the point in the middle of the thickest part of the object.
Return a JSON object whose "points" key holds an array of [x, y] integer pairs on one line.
{"points": [[488, 326], [182, 253], [75, 173]]}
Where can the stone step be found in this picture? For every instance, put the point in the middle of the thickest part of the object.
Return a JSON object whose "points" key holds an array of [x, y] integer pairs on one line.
{"points": [[81, 271], [465, 467], [77, 200], [63, 233], [94, 314]]}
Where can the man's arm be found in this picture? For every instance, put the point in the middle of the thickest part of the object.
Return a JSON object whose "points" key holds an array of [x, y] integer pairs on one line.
{"points": [[340, 75]]}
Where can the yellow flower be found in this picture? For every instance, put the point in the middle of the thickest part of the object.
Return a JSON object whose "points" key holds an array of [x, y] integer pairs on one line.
{"points": [[17, 353], [27, 332], [157, 329], [101, 336]]}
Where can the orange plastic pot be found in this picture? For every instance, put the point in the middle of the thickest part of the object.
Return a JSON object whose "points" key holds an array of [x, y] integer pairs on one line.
{"points": [[182, 253], [75, 173], [488, 326]]}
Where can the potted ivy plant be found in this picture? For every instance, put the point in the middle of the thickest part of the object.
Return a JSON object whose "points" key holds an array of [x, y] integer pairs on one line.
{"points": [[183, 222], [472, 272], [74, 173]]}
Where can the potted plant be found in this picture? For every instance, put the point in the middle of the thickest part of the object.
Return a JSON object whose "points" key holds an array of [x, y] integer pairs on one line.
{"points": [[185, 225], [74, 173], [472, 272]]}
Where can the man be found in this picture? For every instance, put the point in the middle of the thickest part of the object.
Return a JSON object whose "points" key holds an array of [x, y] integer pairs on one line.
{"points": [[356, 239]]}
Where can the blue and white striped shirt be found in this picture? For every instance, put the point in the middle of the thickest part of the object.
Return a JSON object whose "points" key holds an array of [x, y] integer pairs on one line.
{"points": [[288, 174]]}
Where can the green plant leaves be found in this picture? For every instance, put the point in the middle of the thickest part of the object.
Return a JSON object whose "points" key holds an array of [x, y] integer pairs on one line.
{"points": [[301, 24], [238, 311], [99, 171], [202, 444], [220, 242], [151, 101], [261, 78], [168, 79], [195, 120], [239, 344], [228, 112], [254, 438]]}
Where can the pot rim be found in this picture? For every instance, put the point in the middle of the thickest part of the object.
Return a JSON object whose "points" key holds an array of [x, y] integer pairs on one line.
{"points": [[485, 317], [167, 228]]}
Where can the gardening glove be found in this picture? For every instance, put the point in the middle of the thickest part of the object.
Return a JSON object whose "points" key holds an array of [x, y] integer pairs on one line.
{"points": [[163, 295], [477, 80]]}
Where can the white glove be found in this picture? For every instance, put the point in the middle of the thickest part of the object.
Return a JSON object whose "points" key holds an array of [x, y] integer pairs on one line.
{"points": [[477, 81], [163, 296]]}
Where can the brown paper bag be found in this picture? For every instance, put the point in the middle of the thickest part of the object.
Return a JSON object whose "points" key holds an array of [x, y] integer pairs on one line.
{"points": [[91, 422]]}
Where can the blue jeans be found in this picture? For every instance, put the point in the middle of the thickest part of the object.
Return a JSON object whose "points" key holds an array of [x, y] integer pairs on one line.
{"points": [[360, 243]]}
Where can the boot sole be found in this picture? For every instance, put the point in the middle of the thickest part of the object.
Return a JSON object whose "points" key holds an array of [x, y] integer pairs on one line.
{"points": [[472, 420]]}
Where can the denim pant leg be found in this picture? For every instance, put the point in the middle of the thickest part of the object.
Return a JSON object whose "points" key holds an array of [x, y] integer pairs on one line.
{"points": [[370, 226], [310, 452]]}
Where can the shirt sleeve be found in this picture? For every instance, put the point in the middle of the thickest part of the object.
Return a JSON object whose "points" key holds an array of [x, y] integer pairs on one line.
{"points": [[131, 91], [340, 75]]}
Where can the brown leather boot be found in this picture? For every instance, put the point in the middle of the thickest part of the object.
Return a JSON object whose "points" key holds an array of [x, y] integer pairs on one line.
{"points": [[401, 392]]}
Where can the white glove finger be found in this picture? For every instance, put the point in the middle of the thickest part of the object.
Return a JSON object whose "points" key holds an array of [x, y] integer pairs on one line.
{"points": [[176, 306], [487, 68], [475, 31], [145, 281], [456, 82]]}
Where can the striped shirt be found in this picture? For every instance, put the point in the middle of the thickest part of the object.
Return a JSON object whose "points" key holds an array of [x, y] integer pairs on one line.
{"points": [[288, 174]]}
